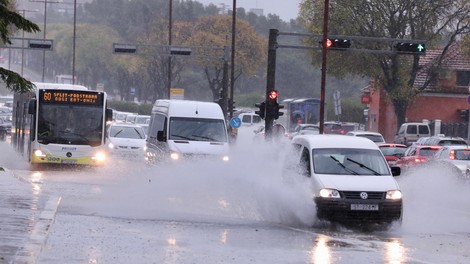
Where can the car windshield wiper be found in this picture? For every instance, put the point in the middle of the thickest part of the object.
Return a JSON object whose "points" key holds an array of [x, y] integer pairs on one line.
{"points": [[363, 166], [344, 167], [179, 136], [204, 137]]}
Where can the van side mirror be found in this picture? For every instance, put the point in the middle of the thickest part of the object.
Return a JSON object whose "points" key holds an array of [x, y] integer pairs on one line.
{"points": [[32, 107], [396, 171], [161, 136], [109, 115]]}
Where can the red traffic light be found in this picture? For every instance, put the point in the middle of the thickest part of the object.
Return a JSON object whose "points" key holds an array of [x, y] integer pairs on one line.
{"points": [[329, 43], [272, 95]]}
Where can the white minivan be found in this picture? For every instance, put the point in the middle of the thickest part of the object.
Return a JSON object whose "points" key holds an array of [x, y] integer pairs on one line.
{"points": [[349, 179], [181, 129]]}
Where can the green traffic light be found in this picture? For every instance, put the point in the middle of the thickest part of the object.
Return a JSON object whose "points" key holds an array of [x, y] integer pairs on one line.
{"points": [[421, 47]]}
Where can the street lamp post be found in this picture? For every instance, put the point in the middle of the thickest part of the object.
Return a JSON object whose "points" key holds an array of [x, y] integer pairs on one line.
{"points": [[170, 25], [74, 39], [22, 42], [232, 68]]}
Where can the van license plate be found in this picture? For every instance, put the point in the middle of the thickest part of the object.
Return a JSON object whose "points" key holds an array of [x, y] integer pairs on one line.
{"points": [[364, 207]]}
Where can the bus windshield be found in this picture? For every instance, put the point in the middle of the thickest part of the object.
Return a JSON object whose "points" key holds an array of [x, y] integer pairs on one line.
{"points": [[70, 124]]}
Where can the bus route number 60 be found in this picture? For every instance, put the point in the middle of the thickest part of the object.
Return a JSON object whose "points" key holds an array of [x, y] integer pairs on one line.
{"points": [[47, 96]]}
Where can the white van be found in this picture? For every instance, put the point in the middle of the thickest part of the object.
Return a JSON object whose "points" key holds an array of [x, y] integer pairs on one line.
{"points": [[411, 132], [182, 129], [249, 119], [349, 178]]}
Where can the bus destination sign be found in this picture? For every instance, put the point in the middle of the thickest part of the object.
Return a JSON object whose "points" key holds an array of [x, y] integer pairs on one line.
{"points": [[71, 97]]}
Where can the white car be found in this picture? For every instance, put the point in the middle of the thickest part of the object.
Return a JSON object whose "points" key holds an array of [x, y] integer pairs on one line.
{"points": [[457, 156], [374, 136], [349, 177], [126, 141]]}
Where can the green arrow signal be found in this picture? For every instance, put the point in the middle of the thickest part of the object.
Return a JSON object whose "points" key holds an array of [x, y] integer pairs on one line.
{"points": [[420, 48]]}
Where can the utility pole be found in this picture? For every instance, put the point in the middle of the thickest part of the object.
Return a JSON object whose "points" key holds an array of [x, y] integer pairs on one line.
{"points": [[270, 81], [324, 64]]}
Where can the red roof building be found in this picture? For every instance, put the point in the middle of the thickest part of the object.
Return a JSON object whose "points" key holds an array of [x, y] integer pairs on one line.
{"points": [[440, 100]]}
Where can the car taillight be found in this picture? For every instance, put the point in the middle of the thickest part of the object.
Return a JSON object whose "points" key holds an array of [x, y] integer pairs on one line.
{"points": [[452, 155], [419, 160]]}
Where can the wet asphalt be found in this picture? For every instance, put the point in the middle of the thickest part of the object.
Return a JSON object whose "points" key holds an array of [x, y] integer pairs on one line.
{"points": [[26, 215]]}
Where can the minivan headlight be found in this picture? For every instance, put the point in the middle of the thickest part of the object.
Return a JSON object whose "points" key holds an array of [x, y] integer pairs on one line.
{"points": [[175, 156], [394, 195], [329, 193]]}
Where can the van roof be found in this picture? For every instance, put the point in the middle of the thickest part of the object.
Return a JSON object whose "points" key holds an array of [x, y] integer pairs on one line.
{"points": [[188, 108], [334, 141]]}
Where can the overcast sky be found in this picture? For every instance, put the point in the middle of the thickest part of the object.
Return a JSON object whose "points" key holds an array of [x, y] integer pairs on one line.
{"points": [[285, 9]]}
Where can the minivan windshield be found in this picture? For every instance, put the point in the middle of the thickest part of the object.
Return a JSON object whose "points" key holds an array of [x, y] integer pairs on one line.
{"points": [[346, 161], [197, 129]]}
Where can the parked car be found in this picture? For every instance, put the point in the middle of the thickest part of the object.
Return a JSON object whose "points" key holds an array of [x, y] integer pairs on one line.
{"points": [[330, 127], [304, 129], [249, 119], [349, 178], [458, 157], [416, 154], [126, 141], [444, 141], [5, 126], [374, 136], [411, 132], [392, 152]]}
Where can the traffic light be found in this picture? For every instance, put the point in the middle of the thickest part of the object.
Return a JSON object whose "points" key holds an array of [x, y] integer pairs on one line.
{"points": [[274, 106], [231, 104], [412, 48], [337, 43], [272, 95], [262, 109], [463, 114], [276, 112]]}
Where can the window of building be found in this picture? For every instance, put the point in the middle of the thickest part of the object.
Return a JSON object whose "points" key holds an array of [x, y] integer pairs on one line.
{"points": [[463, 78]]}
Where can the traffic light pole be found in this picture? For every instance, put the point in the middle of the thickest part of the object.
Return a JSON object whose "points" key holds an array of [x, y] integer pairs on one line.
{"points": [[270, 83]]}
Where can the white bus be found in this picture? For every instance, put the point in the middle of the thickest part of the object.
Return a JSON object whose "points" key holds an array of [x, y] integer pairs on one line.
{"points": [[60, 124]]}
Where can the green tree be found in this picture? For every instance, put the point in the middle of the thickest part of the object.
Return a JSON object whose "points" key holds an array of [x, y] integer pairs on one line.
{"points": [[214, 31], [10, 21], [439, 22]]}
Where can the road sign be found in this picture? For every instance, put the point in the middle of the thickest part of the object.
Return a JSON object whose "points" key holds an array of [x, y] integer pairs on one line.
{"points": [[235, 122]]}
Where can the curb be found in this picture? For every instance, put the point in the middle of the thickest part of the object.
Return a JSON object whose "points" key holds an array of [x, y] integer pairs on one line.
{"points": [[37, 237]]}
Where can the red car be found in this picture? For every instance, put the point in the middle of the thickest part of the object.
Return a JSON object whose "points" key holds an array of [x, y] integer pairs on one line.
{"points": [[416, 154], [392, 152]]}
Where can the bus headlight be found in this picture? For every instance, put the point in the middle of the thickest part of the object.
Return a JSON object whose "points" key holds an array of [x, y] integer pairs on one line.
{"points": [[99, 156], [39, 153], [394, 195]]}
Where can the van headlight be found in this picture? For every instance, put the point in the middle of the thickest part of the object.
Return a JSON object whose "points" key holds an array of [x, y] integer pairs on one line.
{"points": [[393, 195], [175, 156], [329, 193]]}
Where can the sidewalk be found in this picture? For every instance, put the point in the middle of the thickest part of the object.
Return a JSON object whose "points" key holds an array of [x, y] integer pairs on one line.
{"points": [[26, 214]]}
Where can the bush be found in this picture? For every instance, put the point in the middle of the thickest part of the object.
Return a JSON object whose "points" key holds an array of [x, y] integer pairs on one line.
{"points": [[141, 109]]}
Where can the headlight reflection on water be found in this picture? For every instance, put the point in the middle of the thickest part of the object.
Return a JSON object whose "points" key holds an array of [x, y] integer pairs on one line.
{"points": [[395, 252], [321, 253]]}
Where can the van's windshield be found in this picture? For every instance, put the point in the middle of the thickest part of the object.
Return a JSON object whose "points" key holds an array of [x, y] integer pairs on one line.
{"points": [[349, 161], [198, 129]]}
